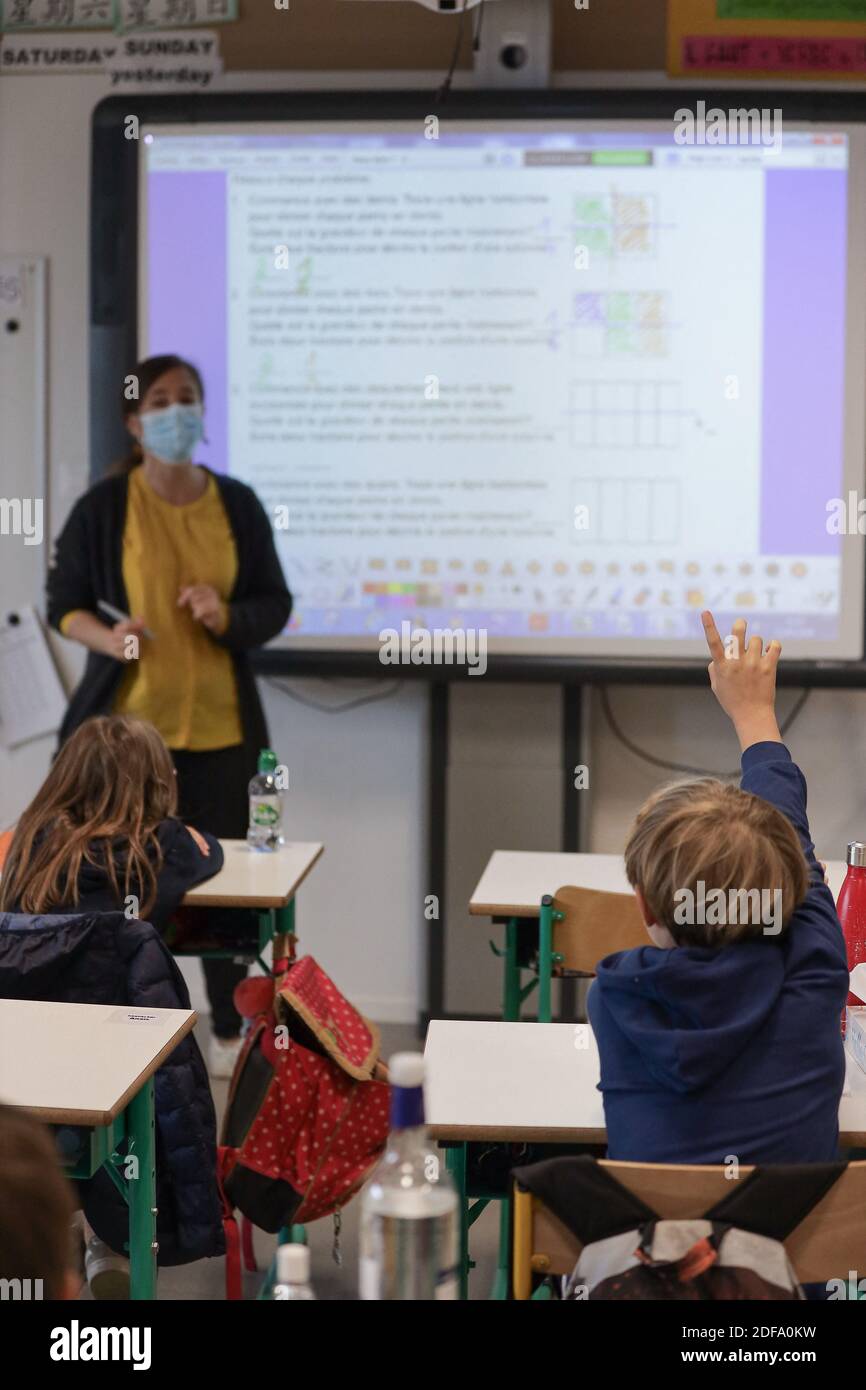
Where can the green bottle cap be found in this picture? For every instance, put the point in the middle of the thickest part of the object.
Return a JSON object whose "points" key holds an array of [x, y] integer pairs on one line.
{"points": [[267, 760]]}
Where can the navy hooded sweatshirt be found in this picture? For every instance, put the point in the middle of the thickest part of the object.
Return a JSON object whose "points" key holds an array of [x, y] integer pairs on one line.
{"points": [[708, 1053]]}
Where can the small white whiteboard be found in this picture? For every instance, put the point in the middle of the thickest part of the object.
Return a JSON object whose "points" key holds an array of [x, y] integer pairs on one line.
{"points": [[23, 411], [32, 699]]}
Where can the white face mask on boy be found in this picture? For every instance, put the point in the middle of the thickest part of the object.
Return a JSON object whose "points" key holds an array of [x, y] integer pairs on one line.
{"points": [[660, 936]]}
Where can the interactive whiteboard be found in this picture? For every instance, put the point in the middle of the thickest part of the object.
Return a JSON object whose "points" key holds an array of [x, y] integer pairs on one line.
{"points": [[565, 383]]}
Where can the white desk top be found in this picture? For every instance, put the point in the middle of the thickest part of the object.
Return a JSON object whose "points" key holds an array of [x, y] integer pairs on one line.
{"points": [[515, 881], [528, 1081], [256, 878], [80, 1064], [512, 1081]]}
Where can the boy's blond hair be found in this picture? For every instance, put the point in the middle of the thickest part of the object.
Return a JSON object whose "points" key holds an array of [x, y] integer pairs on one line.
{"points": [[691, 838]]}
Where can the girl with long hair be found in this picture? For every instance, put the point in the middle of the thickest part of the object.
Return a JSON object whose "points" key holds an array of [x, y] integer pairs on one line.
{"points": [[102, 833]]}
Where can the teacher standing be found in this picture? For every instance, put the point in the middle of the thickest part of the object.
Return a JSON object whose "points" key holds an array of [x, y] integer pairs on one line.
{"points": [[189, 554]]}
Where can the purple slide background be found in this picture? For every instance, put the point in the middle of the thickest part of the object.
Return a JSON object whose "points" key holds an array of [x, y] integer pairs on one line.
{"points": [[805, 262], [803, 348], [187, 279]]}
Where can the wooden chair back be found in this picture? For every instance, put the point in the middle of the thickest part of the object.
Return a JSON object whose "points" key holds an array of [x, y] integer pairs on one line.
{"points": [[594, 924], [828, 1242]]}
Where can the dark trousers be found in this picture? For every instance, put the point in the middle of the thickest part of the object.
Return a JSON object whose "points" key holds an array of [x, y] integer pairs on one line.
{"points": [[212, 790]]}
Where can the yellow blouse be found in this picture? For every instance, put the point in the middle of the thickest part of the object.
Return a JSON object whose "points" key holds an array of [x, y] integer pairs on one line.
{"points": [[183, 682]]}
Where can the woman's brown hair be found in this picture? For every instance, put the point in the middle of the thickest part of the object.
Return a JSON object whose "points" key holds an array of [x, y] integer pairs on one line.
{"points": [[110, 786], [146, 374]]}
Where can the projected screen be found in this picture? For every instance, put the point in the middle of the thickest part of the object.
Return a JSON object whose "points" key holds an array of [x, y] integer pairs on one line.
{"points": [[563, 384]]}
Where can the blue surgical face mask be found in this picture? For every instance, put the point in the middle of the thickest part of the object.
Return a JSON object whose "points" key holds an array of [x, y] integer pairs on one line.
{"points": [[172, 434]]}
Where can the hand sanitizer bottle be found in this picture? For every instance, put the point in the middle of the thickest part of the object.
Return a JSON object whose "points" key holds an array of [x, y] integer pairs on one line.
{"points": [[293, 1274]]}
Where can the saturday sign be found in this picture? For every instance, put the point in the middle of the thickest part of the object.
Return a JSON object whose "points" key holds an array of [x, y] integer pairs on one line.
{"points": [[172, 59]]}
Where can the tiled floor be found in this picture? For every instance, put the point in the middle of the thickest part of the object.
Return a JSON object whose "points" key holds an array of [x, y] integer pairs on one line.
{"points": [[206, 1278]]}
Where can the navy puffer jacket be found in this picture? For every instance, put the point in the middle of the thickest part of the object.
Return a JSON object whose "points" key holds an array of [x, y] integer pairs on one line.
{"points": [[105, 958]]}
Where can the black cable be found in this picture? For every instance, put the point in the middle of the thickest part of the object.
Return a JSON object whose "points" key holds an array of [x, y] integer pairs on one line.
{"points": [[479, 25], [370, 698], [682, 767], [449, 76]]}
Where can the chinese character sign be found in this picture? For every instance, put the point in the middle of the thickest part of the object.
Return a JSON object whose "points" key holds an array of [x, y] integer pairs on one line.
{"points": [[169, 14], [57, 14], [120, 15]]}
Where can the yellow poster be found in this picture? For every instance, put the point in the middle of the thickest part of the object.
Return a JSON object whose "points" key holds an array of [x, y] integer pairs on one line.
{"points": [[700, 44]]}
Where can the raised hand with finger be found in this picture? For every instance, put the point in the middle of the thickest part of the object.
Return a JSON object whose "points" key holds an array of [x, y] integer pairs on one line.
{"points": [[743, 679]]}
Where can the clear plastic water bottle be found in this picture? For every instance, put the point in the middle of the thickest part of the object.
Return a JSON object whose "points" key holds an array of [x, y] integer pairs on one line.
{"points": [[266, 805], [293, 1274], [409, 1219]]}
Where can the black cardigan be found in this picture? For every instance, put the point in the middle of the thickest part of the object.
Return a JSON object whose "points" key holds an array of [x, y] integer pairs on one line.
{"points": [[87, 566]]}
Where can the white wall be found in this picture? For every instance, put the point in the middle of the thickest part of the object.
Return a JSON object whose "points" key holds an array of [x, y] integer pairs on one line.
{"points": [[43, 211], [358, 779], [828, 740], [358, 784]]}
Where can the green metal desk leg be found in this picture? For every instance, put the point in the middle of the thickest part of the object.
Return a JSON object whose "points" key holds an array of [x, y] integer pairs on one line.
{"points": [[455, 1162], [142, 1194], [510, 1014], [284, 919], [499, 1291], [545, 957], [292, 1235], [511, 978]]}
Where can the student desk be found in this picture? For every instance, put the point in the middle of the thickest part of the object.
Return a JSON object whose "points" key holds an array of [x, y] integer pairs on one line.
{"points": [[263, 880], [535, 1082], [517, 887], [92, 1066]]}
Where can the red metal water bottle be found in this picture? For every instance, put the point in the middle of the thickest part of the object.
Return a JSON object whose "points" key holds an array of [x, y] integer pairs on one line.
{"points": [[851, 908]]}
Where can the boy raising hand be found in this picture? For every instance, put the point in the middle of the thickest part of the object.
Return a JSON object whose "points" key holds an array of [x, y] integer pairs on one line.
{"points": [[743, 680], [723, 1037]]}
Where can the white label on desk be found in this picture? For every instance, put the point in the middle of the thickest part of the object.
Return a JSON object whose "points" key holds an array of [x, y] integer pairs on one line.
{"points": [[133, 1016]]}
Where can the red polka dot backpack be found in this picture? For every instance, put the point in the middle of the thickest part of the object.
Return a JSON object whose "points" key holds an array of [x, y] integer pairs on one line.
{"points": [[307, 1114]]}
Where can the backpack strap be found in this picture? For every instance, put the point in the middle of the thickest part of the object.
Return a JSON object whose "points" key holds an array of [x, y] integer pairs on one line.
{"points": [[772, 1201], [585, 1198], [234, 1285]]}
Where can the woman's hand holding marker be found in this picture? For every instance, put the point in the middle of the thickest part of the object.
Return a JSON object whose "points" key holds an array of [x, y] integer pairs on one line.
{"points": [[743, 680], [116, 640], [205, 605]]}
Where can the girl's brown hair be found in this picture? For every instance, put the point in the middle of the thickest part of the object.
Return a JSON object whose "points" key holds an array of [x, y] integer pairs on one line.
{"points": [[147, 373], [101, 804]]}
